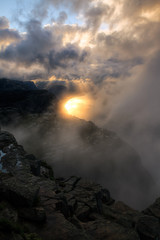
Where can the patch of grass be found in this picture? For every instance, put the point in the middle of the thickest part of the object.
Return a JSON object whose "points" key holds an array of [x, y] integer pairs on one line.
{"points": [[32, 236], [9, 226], [6, 225]]}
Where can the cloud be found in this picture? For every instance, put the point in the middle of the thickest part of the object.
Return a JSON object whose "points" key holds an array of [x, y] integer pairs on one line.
{"points": [[87, 50], [62, 17], [4, 23], [97, 14], [144, 8], [7, 36]]}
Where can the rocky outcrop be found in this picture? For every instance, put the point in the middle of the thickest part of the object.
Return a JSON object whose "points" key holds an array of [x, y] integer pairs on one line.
{"points": [[35, 205]]}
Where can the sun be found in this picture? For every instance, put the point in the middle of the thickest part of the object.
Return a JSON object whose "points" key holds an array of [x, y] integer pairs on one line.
{"points": [[77, 106], [73, 104]]}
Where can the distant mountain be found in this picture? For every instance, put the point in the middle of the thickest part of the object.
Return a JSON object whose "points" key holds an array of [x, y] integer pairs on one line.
{"points": [[10, 85], [28, 101]]}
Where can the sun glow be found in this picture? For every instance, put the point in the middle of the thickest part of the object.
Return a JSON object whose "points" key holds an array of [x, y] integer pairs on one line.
{"points": [[78, 106]]}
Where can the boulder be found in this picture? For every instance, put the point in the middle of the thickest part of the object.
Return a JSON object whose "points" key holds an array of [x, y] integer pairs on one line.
{"points": [[20, 190]]}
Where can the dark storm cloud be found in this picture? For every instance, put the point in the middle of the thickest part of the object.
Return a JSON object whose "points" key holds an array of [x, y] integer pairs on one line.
{"points": [[62, 58], [9, 35], [4, 23], [46, 47], [43, 47], [98, 14]]}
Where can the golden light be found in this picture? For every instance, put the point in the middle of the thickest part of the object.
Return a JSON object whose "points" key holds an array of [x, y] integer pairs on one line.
{"points": [[78, 107], [72, 105], [84, 39]]}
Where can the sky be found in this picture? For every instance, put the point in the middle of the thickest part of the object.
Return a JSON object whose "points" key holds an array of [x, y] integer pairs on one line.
{"points": [[107, 49], [97, 41], [16, 10]]}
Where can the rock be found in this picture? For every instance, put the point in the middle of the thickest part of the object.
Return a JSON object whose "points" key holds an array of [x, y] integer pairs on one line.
{"points": [[154, 209], [81, 197], [148, 228], [82, 212], [102, 229], [7, 139], [122, 214], [20, 191], [103, 196], [46, 170], [35, 165], [62, 206], [13, 158], [8, 212], [58, 228], [35, 214]]}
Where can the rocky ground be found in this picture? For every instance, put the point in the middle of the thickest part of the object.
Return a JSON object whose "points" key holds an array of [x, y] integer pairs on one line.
{"points": [[34, 205]]}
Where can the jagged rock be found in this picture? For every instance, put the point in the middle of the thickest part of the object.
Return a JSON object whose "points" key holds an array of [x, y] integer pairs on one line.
{"points": [[102, 229], [82, 197], [122, 214], [20, 191], [148, 228], [6, 139], [35, 165], [13, 158], [154, 209], [46, 170], [82, 212], [58, 228]]}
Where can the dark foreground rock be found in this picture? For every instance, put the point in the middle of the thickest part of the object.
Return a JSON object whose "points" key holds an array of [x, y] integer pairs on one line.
{"points": [[34, 205]]}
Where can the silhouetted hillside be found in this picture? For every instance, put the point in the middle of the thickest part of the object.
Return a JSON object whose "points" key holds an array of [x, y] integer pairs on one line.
{"points": [[10, 85]]}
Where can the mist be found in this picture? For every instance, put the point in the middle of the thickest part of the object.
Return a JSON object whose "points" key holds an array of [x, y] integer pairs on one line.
{"points": [[76, 147]]}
